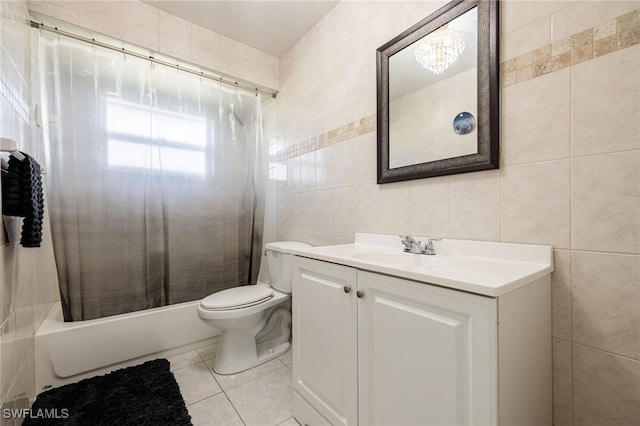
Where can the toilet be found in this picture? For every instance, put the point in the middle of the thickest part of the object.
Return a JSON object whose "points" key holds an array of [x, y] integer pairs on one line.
{"points": [[254, 325]]}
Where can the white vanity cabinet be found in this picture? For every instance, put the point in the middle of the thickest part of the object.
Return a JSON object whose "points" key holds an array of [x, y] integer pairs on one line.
{"points": [[372, 349], [325, 343]]}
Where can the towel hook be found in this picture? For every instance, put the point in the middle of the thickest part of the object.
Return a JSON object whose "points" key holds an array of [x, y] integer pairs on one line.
{"points": [[10, 146]]}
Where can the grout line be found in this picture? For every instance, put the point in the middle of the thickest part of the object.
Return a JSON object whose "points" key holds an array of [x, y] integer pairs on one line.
{"points": [[203, 399], [570, 328], [234, 408], [604, 352], [601, 252]]}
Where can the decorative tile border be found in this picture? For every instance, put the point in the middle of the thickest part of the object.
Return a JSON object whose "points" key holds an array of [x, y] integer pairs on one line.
{"points": [[608, 37], [349, 131]]}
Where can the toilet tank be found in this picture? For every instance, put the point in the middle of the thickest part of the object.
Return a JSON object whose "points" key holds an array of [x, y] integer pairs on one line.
{"points": [[279, 259]]}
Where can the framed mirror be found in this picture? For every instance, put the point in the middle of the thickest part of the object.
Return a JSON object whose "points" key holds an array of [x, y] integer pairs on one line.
{"points": [[437, 87]]}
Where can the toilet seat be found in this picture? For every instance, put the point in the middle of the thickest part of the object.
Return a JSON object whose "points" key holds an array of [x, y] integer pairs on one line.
{"points": [[237, 298]]}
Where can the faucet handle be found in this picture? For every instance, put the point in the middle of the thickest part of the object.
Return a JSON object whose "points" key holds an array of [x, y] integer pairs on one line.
{"points": [[428, 249]]}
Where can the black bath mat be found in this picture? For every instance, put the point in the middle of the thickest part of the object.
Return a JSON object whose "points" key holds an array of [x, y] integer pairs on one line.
{"points": [[145, 394]]}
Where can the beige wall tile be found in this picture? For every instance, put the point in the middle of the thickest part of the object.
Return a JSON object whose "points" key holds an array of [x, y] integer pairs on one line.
{"points": [[525, 39], [347, 212], [295, 205], [430, 207], [140, 24], [535, 204], [581, 15], [534, 119], [606, 388], [628, 38], [175, 36], [205, 46], [508, 79], [605, 205], [604, 46], [562, 383], [64, 10], [261, 68], [628, 20], [366, 208], [561, 61], [293, 175], [344, 213], [146, 26], [474, 204], [228, 49], [308, 171], [332, 238], [322, 181], [362, 151], [524, 74], [542, 53], [561, 295], [524, 60], [336, 163], [323, 217], [604, 29], [307, 207], [102, 16], [282, 212], [561, 46], [515, 14], [606, 302], [394, 208], [602, 107]]}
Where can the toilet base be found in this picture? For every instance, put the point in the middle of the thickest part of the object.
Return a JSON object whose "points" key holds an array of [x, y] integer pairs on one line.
{"points": [[240, 350], [235, 364]]}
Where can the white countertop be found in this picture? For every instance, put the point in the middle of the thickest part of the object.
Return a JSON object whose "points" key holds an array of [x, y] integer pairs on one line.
{"points": [[486, 268]]}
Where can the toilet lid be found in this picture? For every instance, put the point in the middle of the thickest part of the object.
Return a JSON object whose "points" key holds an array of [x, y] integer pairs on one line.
{"points": [[237, 297]]}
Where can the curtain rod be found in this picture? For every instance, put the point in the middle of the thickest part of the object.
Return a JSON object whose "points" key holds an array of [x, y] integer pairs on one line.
{"points": [[152, 59]]}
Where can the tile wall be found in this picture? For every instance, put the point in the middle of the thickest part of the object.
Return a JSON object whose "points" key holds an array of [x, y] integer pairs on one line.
{"points": [[569, 173], [149, 27]]}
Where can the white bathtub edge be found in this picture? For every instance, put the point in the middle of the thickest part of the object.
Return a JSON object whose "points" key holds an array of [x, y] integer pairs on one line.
{"points": [[68, 352]]}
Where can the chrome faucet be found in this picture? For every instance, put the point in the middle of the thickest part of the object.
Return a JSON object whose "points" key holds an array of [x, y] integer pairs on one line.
{"points": [[418, 247]]}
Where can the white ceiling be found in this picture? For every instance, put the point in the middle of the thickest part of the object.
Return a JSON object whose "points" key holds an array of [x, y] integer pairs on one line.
{"points": [[270, 26]]}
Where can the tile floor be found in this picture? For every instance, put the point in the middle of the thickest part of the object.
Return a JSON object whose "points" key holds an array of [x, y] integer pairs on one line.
{"points": [[259, 396]]}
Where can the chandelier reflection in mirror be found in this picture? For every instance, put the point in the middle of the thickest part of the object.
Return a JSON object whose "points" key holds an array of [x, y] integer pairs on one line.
{"points": [[440, 49]]}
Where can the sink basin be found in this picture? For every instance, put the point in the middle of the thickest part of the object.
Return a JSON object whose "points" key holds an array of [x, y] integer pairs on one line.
{"points": [[409, 260]]}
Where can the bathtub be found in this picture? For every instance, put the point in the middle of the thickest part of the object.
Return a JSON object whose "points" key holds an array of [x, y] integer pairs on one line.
{"points": [[68, 352]]}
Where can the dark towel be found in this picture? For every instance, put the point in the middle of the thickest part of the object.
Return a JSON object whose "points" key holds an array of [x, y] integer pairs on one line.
{"points": [[22, 196]]}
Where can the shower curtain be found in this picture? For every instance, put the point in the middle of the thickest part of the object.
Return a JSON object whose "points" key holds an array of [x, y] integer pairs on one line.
{"points": [[155, 180]]}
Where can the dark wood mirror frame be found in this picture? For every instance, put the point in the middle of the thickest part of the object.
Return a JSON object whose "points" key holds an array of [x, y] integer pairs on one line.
{"points": [[487, 156]]}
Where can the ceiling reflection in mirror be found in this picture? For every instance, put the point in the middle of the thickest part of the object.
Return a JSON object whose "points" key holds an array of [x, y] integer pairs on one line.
{"points": [[433, 103]]}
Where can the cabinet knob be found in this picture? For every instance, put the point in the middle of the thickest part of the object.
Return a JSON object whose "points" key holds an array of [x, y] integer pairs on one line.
{"points": [[347, 289], [360, 294]]}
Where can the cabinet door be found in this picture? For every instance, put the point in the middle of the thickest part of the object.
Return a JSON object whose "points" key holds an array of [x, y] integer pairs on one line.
{"points": [[325, 339], [427, 355]]}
